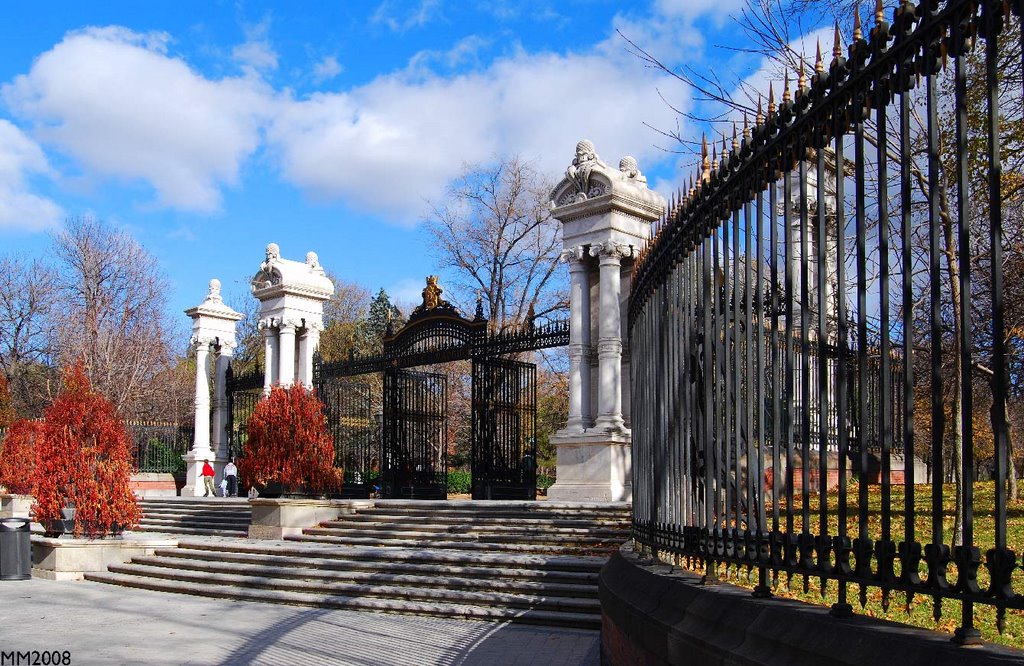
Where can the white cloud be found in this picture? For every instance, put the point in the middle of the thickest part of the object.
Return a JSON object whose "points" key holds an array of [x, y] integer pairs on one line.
{"points": [[391, 144], [117, 103], [256, 53], [326, 69], [401, 20], [19, 208]]}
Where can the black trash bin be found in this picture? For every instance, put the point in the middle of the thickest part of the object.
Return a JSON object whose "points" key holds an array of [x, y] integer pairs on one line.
{"points": [[15, 549]]}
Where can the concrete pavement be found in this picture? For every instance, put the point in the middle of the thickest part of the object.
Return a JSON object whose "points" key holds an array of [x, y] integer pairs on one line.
{"points": [[103, 624]]}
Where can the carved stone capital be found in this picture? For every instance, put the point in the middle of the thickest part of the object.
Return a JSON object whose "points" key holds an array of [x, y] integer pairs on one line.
{"points": [[611, 251], [573, 256], [267, 325], [202, 342]]}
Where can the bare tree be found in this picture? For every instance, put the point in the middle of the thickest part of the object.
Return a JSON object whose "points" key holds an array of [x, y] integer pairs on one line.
{"points": [[113, 311], [495, 229], [28, 300]]}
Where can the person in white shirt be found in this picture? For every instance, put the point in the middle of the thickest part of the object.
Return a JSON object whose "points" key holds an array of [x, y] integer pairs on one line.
{"points": [[231, 476]]}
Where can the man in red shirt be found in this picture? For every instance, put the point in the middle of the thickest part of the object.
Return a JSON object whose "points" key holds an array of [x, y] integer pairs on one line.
{"points": [[208, 475]]}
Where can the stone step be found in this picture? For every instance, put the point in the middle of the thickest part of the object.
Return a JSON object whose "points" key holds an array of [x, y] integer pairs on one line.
{"points": [[507, 535], [214, 504], [192, 531], [237, 510], [313, 535], [218, 521], [370, 565], [321, 600], [446, 582], [456, 523], [505, 528], [497, 512], [290, 548]]}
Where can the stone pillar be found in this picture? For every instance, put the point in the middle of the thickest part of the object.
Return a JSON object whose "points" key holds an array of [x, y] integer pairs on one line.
{"points": [[608, 210], [609, 342], [225, 351], [270, 361], [213, 323], [201, 436], [308, 344], [579, 341], [200, 451], [286, 353]]}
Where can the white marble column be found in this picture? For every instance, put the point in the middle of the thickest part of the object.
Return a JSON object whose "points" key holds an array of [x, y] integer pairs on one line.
{"points": [[270, 344], [286, 353], [225, 350], [609, 343], [579, 341], [308, 344], [201, 434]]}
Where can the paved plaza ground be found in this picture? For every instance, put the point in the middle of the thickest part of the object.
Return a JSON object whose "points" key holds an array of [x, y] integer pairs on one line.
{"points": [[102, 624]]}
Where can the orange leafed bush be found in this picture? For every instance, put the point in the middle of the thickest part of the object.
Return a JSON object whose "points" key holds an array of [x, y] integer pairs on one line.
{"points": [[84, 458], [289, 443], [18, 457]]}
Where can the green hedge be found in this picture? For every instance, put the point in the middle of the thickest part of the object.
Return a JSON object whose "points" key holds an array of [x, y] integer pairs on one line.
{"points": [[459, 482]]}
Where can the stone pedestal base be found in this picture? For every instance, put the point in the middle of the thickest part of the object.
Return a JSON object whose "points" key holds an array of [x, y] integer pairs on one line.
{"points": [[194, 486], [279, 518], [15, 506], [71, 559], [593, 466]]}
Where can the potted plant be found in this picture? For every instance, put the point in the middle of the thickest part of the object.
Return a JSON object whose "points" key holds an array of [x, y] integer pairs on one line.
{"points": [[17, 467], [289, 452], [83, 464]]}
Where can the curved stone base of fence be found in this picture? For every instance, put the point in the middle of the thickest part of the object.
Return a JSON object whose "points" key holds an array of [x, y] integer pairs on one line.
{"points": [[652, 614]]}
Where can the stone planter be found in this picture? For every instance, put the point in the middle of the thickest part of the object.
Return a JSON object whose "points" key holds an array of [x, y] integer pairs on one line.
{"points": [[72, 559], [15, 506]]}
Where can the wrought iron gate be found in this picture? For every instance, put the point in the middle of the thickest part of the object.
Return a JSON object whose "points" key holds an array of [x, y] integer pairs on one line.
{"points": [[504, 443], [415, 447], [243, 390], [348, 409]]}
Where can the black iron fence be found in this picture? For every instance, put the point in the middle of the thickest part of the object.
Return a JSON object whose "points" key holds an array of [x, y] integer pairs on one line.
{"points": [[870, 212], [158, 446]]}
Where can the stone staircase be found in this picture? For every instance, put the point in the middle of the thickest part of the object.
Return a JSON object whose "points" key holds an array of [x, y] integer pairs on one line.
{"points": [[196, 516], [505, 561]]}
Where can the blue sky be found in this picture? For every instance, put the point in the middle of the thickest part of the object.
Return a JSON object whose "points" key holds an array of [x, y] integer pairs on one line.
{"points": [[209, 129]]}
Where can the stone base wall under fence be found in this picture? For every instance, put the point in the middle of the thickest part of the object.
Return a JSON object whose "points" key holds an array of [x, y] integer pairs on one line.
{"points": [[148, 484], [653, 615]]}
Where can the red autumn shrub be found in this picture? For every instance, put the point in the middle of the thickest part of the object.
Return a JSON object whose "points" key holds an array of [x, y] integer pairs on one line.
{"points": [[289, 443], [17, 457], [85, 458]]}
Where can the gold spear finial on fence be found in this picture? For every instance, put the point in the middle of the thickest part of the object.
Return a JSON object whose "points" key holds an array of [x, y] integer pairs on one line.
{"points": [[746, 124], [858, 34], [801, 79], [819, 64], [879, 13], [787, 97], [771, 99], [725, 153], [759, 118], [705, 165], [837, 48], [735, 141]]}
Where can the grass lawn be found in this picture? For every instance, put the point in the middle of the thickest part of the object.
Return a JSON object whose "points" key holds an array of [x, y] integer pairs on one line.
{"points": [[918, 610]]}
